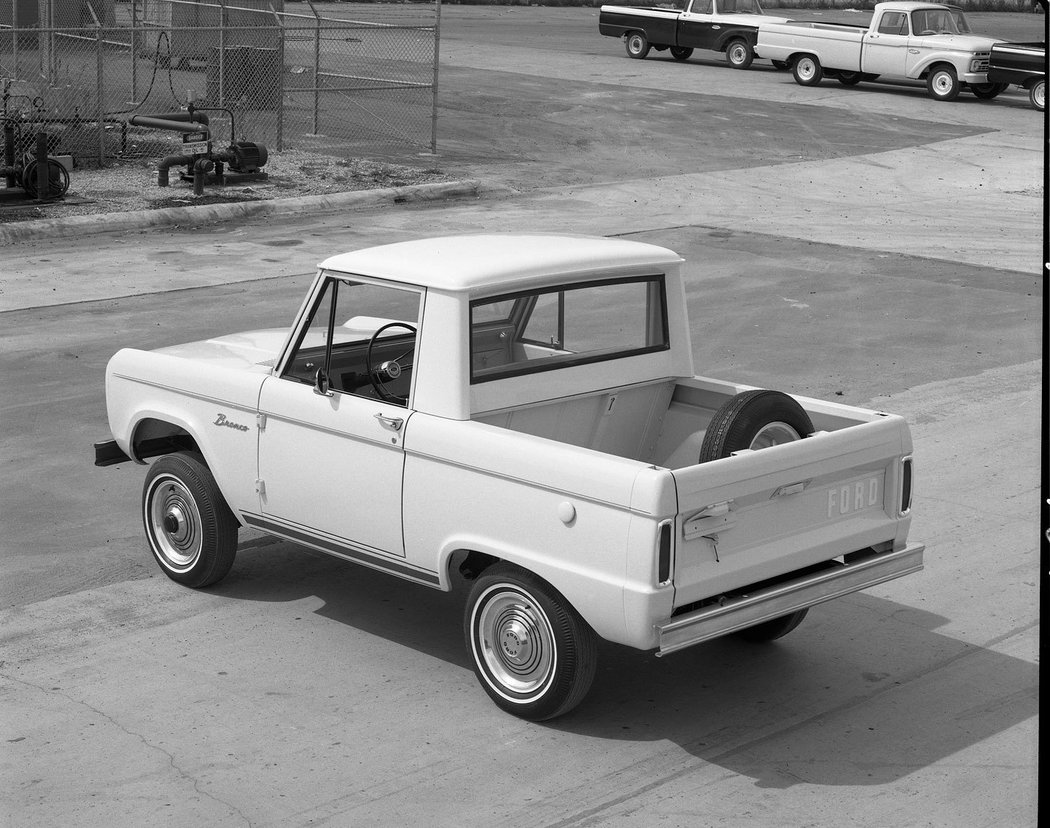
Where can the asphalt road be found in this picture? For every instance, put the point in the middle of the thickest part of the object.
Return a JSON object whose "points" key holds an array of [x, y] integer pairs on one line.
{"points": [[857, 244]]}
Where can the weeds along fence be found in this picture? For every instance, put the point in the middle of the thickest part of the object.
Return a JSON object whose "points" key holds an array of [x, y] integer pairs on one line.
{"points": [[361, 80]]}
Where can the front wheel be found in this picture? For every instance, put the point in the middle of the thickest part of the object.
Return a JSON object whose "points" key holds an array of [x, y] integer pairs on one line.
{"points": [[637, 45], [531, 651], [191, 531], [681, 53], [1037, 95], [943, 84], [807, 70], [739, 54]]}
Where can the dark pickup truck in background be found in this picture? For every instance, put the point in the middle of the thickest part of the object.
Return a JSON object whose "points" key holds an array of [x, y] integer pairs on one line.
{"points": [[1023, 64], [729, 26]]}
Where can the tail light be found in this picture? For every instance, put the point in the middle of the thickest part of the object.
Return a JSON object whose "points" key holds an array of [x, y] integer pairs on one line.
{"points": [[906, 487]]}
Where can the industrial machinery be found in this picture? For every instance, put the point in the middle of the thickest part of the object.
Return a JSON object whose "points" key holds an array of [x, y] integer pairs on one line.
{"points": [[201, 160]]}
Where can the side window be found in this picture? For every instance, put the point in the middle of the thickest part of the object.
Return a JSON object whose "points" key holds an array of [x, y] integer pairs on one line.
{"points": [[359, 338], [701, 7], [895, 23]]}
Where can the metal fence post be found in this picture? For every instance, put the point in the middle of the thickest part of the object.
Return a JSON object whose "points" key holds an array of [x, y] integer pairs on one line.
{"points": [[100, 91], [222, 52], [437, 61], [280, 84], [317, 70]]}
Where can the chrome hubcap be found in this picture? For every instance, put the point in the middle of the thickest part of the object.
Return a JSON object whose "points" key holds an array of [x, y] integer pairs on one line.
{"points": [[175, 524], [514, 640]]}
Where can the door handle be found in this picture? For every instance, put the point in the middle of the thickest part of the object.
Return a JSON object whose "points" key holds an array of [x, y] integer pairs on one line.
{"points": [[393, 423]]}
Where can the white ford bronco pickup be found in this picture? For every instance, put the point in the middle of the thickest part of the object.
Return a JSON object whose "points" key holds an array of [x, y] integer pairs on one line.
{"points": [[519, 411]]}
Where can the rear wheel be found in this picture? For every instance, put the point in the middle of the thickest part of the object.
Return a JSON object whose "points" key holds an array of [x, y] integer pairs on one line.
{"points": [[191, 531], [754, 420], [1037, 95], [532, 652], [775, 628], [986, 91], [681, 53], [943, 84], [807, 70], [739, 53], [637, 45]]}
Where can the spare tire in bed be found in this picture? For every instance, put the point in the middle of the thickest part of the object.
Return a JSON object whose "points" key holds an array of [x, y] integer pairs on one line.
{"points": [[754, 420]]}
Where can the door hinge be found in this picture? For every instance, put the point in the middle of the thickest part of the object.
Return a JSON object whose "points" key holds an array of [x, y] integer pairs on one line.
{"points": [[260, 488], [260, 421]]}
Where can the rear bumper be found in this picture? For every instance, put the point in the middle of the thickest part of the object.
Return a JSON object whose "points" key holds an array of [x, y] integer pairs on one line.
{"points": [[835, 580]]}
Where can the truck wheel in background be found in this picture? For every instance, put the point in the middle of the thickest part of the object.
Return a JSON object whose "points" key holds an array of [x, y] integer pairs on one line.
{"points": [[781, 65], [1037, 94], [739, 53], [775, 628], [191, 531], [532, 652], [986, 91], [849, 78], [942, 83], [754, 420], [807, 70], [637, 45], [681, 53]]}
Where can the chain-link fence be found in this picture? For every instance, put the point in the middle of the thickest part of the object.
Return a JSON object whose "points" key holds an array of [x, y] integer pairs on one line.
{"points": [[346, 79]]}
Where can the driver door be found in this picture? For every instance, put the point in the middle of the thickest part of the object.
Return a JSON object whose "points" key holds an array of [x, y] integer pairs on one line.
{"points": [[885, 51], [333, 417]]}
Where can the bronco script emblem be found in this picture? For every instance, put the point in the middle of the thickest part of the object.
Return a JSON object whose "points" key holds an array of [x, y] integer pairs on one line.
{"points": [[222, 421]]}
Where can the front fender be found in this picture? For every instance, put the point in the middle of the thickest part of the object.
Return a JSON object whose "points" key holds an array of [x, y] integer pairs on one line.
{"points": [[152, 396]]}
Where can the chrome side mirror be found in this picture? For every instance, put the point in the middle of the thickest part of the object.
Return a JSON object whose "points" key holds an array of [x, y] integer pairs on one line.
{"points": [[322, 385]]}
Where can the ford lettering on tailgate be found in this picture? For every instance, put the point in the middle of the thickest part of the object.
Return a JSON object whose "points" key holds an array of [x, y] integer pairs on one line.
{"points": [[854, 496]]}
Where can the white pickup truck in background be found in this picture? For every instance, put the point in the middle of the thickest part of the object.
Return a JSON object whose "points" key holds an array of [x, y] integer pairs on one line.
{"points": [[521, 412], [905, 40]]}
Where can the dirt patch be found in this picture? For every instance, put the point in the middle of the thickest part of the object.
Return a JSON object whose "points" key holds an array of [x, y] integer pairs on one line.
{"points": [[132, 186]]}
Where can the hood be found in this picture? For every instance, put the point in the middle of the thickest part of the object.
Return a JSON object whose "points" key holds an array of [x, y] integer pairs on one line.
{"points": [[959, 43], [248, 350]]}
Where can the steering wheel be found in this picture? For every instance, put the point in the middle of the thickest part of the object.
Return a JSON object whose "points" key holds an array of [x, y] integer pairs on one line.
{"points": [[389, 370]]}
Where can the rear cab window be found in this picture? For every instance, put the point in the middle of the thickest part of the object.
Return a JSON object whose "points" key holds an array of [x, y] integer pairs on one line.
{"points": [[566, 325]]}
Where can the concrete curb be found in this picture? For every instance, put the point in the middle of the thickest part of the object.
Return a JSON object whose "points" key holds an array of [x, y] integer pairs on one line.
{"points": [[191, 216]]}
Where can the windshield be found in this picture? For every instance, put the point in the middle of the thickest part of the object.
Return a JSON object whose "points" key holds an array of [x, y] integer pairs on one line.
{"points": [[938, 21]]}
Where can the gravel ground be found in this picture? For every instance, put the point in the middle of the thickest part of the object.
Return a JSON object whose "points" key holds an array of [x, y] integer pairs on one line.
{"points": [[132, 186]]}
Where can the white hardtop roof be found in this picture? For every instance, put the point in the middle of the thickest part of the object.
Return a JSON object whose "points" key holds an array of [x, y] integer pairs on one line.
{"points": [[910, 5], [510, 261]]}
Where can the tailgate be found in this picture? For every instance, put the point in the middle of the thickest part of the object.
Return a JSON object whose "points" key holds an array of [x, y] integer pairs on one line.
{"points": [[760, 514]]}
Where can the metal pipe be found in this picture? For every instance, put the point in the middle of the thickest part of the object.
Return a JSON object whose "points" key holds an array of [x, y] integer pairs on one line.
{"points": [[166, 122], [43, 187], [9, 154], [201, 167], [169, 162]]}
